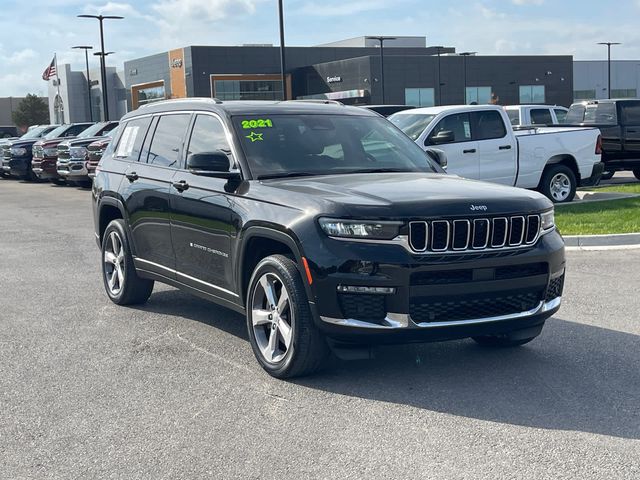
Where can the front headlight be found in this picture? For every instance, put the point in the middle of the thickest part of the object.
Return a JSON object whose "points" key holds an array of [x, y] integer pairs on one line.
{"points": [[18, 151], [547, 221], [360, 228], [77, 152], [50, 152]]}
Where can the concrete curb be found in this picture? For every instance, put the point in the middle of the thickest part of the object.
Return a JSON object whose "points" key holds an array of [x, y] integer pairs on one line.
{"points": [[621, 241]]}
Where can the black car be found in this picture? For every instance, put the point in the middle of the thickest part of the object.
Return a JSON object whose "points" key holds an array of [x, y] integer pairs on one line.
{"points": [[325, 225], [16, 153], [619, 124]]}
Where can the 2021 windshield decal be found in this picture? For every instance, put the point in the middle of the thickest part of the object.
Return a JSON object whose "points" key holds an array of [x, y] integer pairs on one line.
{"points": [[257, 123]]}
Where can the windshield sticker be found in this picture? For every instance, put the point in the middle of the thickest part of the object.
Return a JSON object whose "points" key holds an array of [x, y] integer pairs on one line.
{"points": [[254, 137], [257, 123]]}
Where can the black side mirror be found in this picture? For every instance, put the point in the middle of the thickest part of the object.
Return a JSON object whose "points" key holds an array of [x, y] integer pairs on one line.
{"points": [[438, 156], [443, 136], [211, 164]]}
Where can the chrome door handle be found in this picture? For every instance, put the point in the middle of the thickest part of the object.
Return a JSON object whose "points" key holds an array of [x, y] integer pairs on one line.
{"points": [[181, 186]]}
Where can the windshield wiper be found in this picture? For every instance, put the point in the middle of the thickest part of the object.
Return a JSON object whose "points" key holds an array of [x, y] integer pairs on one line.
{"points": [[288, 174], [378, 170]]}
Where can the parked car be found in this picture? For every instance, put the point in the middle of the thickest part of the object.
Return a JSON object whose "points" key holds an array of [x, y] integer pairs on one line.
{"points": [[324, 225], [8, 131], [95, 151], [45, 151], [5, 141], [527, 115], [386, 110], [16, 155], [480, 143], [73, 154], [619, 123]]}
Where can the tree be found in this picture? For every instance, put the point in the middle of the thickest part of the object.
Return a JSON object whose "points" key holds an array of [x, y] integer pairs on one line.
{"points": [[33, 110]]}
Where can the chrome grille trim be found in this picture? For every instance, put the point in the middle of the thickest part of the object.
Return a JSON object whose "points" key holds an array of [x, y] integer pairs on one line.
{"points": [[482, 234]]}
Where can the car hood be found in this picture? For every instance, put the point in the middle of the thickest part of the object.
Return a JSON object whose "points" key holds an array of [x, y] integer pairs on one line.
{"points": [[83, 142], [402, 195], [49, 143], [23, 143]]}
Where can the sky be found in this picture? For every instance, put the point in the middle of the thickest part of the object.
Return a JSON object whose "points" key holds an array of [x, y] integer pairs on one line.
{"points": [[31, 31]]}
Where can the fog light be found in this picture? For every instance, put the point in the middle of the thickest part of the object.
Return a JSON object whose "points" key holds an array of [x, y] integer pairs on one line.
{"points": [[360, 289]]}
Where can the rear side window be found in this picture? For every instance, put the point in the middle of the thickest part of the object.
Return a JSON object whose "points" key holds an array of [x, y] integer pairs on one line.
{"points": [[459, 124], [602, 113], [166, 146], [631, 113], [132, 137], [488, 124], [514, 117], [561, 115], [541, 116]]}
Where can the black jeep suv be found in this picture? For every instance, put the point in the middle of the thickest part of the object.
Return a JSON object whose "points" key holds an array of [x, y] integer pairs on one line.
{"points": [[325, 225]]}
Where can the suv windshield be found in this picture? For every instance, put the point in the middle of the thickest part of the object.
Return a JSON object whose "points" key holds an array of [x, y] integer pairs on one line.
{"points": [[37, 132], [298, 145], [92, 130], [412, 124]]}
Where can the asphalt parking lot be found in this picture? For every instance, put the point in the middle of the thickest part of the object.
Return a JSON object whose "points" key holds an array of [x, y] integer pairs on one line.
{"points": [[171, 389]]}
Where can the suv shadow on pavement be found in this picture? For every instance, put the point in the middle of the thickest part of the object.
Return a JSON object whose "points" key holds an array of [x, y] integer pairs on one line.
{"points": [[575, 377]]}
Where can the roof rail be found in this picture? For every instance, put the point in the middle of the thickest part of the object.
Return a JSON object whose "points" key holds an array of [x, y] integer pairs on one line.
{"points": [[187, 99], [317, 100]]}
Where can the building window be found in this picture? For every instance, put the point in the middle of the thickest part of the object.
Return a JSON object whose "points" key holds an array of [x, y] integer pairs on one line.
{"points": [[584, 94], [532, 94], [419, 97], [478, 95], [58, 110], [248, 89], [623, 93], [150, 94]]}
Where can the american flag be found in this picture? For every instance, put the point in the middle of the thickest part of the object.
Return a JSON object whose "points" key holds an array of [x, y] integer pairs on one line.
{"points": [[50, 71]]}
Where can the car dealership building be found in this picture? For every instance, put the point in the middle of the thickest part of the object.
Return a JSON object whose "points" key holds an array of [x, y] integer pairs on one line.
{"points": [[350, 71]]}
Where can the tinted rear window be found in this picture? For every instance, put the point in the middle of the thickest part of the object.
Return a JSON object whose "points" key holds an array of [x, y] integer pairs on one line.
{"points": [[541, 116], [488, 125], [631, 113], [601, 113]]}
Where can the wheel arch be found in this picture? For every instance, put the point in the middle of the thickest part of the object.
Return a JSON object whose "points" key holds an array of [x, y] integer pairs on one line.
{"points": [[109, 209], [259, 242], [564, 159]]}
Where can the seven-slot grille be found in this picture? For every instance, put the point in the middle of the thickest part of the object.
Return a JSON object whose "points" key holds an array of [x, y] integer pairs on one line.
{"points": [[473, 234]]}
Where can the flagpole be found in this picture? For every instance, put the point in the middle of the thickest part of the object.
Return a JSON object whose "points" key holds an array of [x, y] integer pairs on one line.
{"points": [[55, 59]]}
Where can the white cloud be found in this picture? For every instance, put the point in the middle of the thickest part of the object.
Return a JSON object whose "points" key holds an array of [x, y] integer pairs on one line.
{"points": [[212, 10], [527, 2], [325, 9]]}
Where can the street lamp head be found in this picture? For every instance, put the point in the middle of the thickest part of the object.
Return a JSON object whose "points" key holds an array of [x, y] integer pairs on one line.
{"points": [[102, 54], [102, 17], [609, 43], [83, 47], [467, 54]]}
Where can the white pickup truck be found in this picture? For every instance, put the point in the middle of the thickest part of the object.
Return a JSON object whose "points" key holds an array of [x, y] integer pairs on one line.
{"points": [[525, 115], [479, 142]]}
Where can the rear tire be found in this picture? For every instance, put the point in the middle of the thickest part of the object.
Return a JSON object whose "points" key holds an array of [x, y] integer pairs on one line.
{"points": [[283, 336], [559, 183], [121, 282], [636, 173]]}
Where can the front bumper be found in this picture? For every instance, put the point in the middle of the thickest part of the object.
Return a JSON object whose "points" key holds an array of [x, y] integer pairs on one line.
{"points": [[436, 297], [18, 166], [73, 169], [596, 174], [45, 168]]}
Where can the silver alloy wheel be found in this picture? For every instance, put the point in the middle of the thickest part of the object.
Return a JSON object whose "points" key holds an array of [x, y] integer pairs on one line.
{"points": [[114, 263], [272, 317], [560, 186]]}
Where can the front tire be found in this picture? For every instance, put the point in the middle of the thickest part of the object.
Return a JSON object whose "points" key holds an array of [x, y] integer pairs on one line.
{"points": [[121, 281], [608, 174], [283, 336], [636, 173], [559, 183]]}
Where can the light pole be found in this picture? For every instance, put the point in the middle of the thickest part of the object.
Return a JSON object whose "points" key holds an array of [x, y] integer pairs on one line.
{"points": [[439, 49], [86, 49], [103, 60], [103, 68], [381, 40], [464, 56], [282, 59], [608, 44]]}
